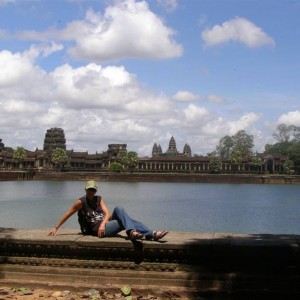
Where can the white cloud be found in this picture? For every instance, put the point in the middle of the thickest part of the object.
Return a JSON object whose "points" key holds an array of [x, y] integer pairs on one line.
{"points": [[219, 126], [290, 118], [237, 29], [96, 106], [94, 86], [17, 70], [150, 105], [127, 29], [43, 50], [195, 113], [185, 96], [243, 123]]}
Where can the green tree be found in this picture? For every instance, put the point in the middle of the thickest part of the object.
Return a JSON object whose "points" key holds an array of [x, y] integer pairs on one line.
{"points": [[225, 146], [256, 162], [235, 159], [19, 155], [116, 167], [59, 157], [240, 142], [288, 144], [288, 167], [294, 155], [215, 164], [128, 159], [278, 148], [286, 133], [243, 143]]}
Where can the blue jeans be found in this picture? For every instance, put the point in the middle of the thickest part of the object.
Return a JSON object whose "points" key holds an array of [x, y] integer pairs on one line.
{"points": [[120, 220]]}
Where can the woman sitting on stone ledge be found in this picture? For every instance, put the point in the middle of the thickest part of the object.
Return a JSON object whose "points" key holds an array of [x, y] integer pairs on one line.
{"points": [[95, 218]]}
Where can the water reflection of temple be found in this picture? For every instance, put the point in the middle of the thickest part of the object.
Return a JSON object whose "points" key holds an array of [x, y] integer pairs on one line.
{"points": [[170, 161]]}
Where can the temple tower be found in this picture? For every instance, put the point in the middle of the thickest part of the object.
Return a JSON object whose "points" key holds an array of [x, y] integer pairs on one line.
{"points": [[187, 150], [159, 150], [156, 150], [1, 145], [54, 138], [114, 149], [172, 150]]}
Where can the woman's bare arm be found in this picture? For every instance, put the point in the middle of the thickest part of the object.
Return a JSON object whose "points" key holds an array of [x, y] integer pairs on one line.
{"points": [[74, 208], [101, 231]]}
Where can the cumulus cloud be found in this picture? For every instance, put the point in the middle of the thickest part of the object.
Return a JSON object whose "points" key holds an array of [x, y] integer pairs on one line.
{"points": [[219, 126], [17, 70], [185, 96], [97, 105], [127, 29], [94, 86], [237, 30], [195, 113], [107, 101], [43, 50], [13, 67], [243, 122], [290, 118]]}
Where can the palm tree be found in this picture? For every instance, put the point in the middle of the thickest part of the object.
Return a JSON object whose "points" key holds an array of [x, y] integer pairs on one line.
{"points": [[256, 162], [235, 158], [59, 157], [19, 155]]}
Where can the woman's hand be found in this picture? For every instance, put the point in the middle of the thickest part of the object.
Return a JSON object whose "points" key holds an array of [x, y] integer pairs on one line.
{"points": [[101, 230], [74, 208], [53, 231]]}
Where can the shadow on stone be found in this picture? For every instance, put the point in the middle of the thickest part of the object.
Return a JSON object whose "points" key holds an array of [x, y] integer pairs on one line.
{"points": [[256, 266]]}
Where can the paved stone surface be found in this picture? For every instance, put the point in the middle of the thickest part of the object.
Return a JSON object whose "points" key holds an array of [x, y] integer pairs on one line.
{"points": [[67, 236]]}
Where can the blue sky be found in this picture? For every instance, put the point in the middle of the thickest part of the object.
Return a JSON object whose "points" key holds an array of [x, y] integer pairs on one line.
{"points": [[139, 72]]}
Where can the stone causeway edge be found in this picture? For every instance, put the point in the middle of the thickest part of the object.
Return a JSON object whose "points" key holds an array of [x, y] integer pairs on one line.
{"points": [[218, 263]]}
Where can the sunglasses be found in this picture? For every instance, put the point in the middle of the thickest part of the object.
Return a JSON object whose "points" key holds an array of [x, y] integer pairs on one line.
{"points": [[92, 190]]}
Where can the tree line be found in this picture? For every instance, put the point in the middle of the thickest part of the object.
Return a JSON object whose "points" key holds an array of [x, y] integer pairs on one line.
{"points": [[240, 146]]}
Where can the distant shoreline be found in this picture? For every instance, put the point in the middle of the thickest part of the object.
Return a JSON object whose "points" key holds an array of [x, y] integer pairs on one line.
{"points": [[153, 177]]}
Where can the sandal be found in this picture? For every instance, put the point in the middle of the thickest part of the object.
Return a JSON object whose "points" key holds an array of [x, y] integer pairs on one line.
{"points": [[157, 235], [135, 235]]}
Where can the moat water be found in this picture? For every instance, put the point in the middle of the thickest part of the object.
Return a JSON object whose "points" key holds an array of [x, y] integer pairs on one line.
{"points": [[192, 207]]}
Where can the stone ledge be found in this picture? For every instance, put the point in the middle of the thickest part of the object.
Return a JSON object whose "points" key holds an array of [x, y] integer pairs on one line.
{"points": [[220, 263]]}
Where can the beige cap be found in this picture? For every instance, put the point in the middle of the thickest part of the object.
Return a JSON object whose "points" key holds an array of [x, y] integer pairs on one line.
{"points": [[91, 185]]}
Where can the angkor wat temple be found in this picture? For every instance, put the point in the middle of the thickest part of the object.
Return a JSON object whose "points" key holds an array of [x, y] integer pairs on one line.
{"points": [[172, 150], [171, 161]]}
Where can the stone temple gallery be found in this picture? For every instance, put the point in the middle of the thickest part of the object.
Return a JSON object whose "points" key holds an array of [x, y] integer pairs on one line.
{"points": [[170, 161]]}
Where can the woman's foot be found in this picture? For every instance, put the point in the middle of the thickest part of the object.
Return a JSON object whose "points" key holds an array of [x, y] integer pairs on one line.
{"points": [[157, 235], [135, 235]]}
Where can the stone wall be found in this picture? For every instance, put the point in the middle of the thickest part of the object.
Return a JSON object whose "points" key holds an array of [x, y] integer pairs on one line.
{"points": [[15, 175], [207, 266], [151, 177], [156, 177]]}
